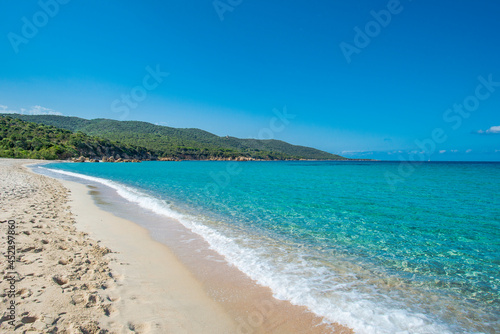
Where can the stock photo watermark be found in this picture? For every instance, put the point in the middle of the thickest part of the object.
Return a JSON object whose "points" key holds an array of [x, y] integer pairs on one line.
{"points": [[364, 36], [255, 319], [11, 276], [222, 179], [223, 6], [30, 26], [277, 124], [454, 117], [139, 93]]}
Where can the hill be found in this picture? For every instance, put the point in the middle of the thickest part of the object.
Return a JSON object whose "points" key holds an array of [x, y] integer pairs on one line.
{"points": [[168, 142], [20, 139]]}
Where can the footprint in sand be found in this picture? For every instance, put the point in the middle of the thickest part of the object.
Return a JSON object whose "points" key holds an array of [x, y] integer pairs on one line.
{"points": [[93, 300], [114, 298], [110, 310], [109, 285], [24, 293], [116, 276], [61, 280], [91, 327], [79, 298], [65, 261], [139, 328], [27, 249]]}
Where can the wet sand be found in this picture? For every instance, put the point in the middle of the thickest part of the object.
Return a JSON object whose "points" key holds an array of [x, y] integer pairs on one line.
{"points": [[82, 269]]}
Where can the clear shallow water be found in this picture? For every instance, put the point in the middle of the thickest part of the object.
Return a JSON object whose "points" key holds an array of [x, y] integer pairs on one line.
{"points": [[334, 237]]}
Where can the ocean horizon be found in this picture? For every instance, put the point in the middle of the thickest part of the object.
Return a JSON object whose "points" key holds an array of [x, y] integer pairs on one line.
{"points": [[421, 256]]}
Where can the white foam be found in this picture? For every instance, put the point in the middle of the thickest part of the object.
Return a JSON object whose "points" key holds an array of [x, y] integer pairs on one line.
{"points": [[298, 282]]}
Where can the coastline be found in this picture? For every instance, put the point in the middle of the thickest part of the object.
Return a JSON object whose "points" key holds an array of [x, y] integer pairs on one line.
{"points": [[141, 286], [72, 282]]}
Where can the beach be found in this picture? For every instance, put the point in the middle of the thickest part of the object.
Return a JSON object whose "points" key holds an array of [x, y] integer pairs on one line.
{"points": [[71, 282], [158, 247], [81, 269]]}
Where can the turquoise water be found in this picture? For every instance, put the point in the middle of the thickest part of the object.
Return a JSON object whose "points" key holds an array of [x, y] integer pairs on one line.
{"points": [[334, 236]]}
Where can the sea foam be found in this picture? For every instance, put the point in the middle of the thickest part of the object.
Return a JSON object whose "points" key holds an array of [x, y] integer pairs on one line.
{"points": [[298, 281]]}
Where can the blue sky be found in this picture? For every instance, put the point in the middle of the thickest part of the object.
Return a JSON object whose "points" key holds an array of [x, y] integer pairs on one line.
{"points": [[365, 79]]}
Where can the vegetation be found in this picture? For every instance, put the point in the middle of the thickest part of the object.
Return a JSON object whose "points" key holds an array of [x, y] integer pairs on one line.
{"points": [[167, 142], [20, 139]]}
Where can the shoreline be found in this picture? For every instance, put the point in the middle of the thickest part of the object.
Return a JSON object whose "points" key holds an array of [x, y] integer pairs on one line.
{"points": [[70, 281], [150, 274], [152, 291]]}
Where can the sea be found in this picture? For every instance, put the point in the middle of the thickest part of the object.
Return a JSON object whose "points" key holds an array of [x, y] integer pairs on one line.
{"points": [[376, 246]]}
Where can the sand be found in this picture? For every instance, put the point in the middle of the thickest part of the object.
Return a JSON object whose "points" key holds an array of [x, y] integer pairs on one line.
{"points": [[112, 278], [81, 269]]}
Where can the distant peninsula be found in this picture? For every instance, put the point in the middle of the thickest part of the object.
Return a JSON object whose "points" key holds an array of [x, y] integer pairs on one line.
{"points": [[54, 137]]}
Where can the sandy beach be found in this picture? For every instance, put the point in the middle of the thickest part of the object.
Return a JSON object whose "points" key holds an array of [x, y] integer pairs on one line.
{"points": [[115, 280], [81, 269]]}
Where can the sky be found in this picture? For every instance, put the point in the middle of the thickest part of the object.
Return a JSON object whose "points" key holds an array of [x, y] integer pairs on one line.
{"points": [[390, 80]]}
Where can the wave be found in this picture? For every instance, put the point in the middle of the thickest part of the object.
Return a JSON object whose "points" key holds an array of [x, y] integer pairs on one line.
{"points": [[298, 282]]}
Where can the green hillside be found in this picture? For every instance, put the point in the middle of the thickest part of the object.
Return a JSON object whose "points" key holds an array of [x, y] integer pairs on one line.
{"points": [[163, 141], [20, 139]]}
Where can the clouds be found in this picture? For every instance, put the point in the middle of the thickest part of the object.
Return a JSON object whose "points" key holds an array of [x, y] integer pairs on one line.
{"points": [[494, 130], [5, 110], [34, 110], [39, 110]]}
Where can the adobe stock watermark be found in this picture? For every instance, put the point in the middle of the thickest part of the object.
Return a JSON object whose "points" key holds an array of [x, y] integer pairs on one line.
{"points": [[222, 179], [30, 27], [277, 124], [454, 117], [139, 93], [255, 319], [363, 37], [223, 6]]}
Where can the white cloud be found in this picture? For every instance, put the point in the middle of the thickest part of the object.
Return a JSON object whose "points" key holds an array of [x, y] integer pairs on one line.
{"points": [[6, 110], [442, 151], [491, 130], [39, 110], [346, 152], [468, 151], [34, 110], [494, 129]]}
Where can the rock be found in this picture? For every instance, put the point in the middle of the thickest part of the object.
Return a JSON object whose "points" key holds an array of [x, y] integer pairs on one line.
{"points": [[242, 158], [169, 159]]}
